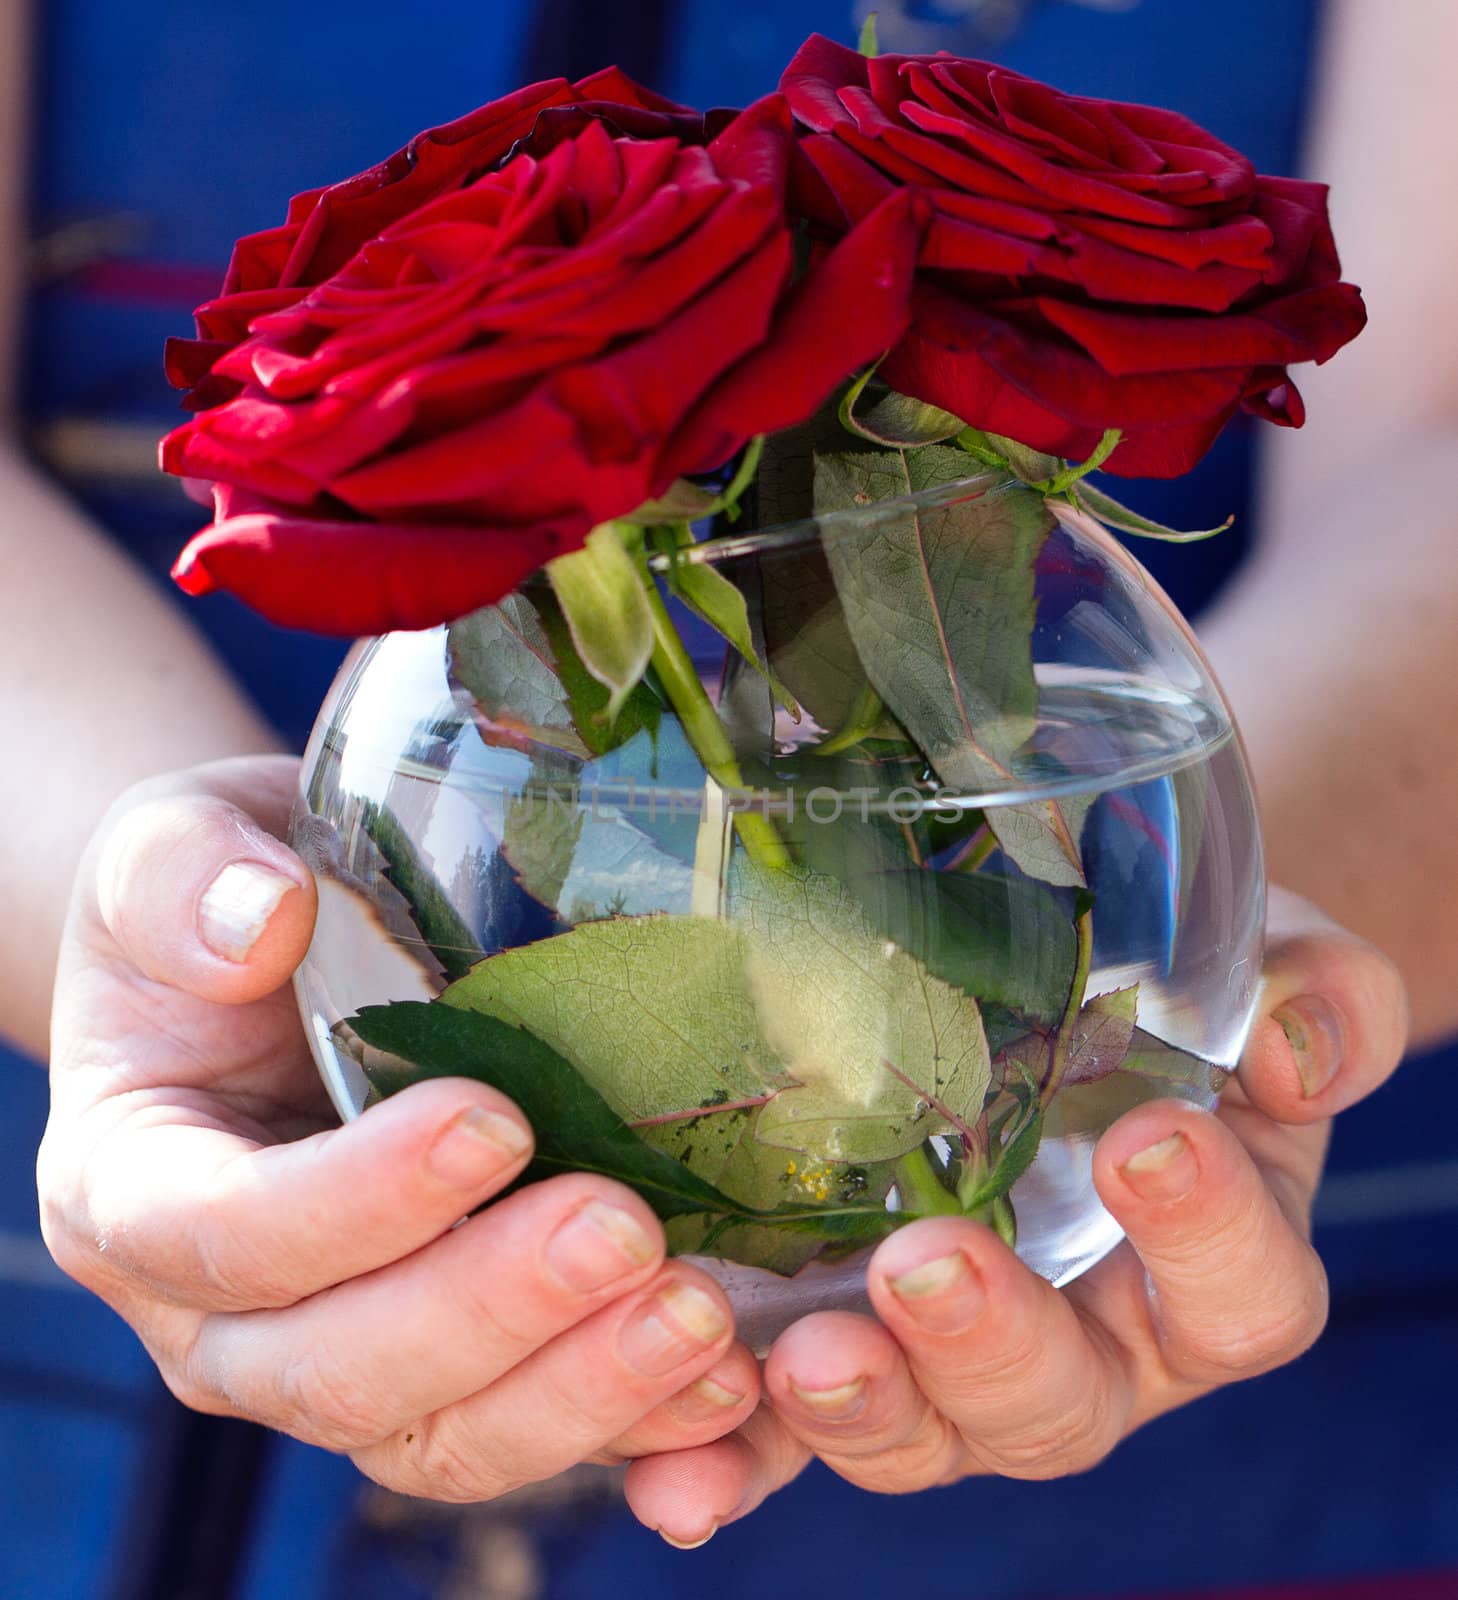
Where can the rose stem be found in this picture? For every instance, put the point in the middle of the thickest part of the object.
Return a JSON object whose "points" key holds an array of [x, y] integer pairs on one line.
{"points": [[1063, 1044], [705, 731], [922, 1192], [974, 852]]}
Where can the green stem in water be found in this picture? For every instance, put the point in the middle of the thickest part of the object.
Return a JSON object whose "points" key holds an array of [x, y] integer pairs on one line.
{"points": [[1063, 1043], [978, 848], [922, 1190], [705, 732]]}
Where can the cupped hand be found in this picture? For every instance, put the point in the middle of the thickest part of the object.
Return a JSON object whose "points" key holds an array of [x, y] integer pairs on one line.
{"points": [[311, 1277], [975, 1365]]}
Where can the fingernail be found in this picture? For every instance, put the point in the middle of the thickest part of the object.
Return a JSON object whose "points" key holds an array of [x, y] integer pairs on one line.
{"points": [[236, 905], [840, 1404], [942, 1296], [475, 1144], [716, 1394], [678, 1322], [596, 1244], [702, 1400], [689, 1544], [1317, 1034], [1164, 1170]]}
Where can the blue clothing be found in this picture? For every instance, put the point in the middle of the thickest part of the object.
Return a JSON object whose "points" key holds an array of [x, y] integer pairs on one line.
{"points": [[200, 120]]}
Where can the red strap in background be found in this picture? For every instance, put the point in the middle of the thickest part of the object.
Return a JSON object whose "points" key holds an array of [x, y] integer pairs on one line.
{"points": [[1407, 1586]]}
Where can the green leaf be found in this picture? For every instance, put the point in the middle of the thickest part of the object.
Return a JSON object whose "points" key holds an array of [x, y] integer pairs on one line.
{"points": [[587, 699], [688, 502], [771, 1180], [881, 1053], [600, 590], [654, 1012], [1108, 510], [774, 1224], [866, 714], [1148, 1057], [746, 703], [785, 486], [1063, 480], [1001, 939], [1005, 940], [807, 644], [1043, 837], [995, 449], [705, 590], [939, 602], [576, 1129], [1020, 1137], [1101, 1035], [868, 46], [895, 419], [502, 657], [681, 502]]}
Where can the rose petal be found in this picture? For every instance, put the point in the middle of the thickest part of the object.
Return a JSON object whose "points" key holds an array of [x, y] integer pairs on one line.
{"points": [[840, 317], [355, 578]]}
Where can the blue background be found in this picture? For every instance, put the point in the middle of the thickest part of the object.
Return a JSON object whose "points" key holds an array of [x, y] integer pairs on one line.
{"points": [[187, 124]]}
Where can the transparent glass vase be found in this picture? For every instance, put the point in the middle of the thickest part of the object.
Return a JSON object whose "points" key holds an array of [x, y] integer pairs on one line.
{"points": [[936, 971]]}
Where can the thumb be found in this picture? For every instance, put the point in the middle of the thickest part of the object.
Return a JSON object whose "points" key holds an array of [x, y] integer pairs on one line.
{"points": [[191, 891]]}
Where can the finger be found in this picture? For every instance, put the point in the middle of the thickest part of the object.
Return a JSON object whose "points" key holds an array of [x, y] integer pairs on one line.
{"points": [[998, 1351], [1333, 1022], [200, 1215], [569, 1400], [1236, 1288], [840, 1383], [355, 1364], [687, 1496], [194, 893], [712, 1405]]}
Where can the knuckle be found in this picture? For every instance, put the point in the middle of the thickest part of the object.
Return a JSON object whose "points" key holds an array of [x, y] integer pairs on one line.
{"points": [[1259, 1341], [437, 1461], [1012, 1364], [77, 1257], [1074, 1441], [178, 1346], [319, 1399], [583, 1417], [192, 1392], [76, 1242], [234, 1270], [501, 1314], [921, 1462]]}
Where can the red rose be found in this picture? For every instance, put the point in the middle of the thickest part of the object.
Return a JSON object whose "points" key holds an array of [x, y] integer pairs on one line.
{"points": [[519, 354], [326, 226], [1091, 265]]}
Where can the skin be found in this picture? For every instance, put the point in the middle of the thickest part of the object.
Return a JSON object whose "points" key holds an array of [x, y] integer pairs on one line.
{"points": [[310, 1277], [273, 1264]]}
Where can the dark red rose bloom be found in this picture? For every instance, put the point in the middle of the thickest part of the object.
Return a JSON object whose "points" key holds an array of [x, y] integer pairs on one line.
{"points": [[1091, 265], [326, 226], [476, 378]]}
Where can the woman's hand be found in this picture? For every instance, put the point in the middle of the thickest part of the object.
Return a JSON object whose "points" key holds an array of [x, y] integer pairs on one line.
{"points": [[978, 1366], [311, 1277]]}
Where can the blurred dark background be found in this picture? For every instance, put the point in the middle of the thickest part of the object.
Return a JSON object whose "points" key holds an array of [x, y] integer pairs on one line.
{"points": [[161, 130]]}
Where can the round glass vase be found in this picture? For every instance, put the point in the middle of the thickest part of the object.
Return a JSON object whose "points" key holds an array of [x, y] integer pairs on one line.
{"points": [[787, 951]]}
